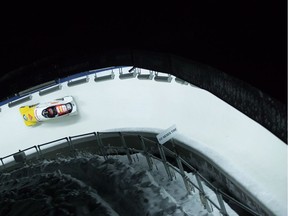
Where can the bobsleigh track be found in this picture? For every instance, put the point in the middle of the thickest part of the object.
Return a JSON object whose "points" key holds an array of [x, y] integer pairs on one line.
{"points": [[116, 99]]}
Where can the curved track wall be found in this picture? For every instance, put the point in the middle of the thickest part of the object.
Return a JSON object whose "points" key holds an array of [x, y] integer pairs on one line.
{"points": [[252, 102], [144, 103]]}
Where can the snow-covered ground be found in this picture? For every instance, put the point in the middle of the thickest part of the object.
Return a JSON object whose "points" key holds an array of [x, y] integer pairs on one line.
{"points": [[253, 156], [89, 185]]}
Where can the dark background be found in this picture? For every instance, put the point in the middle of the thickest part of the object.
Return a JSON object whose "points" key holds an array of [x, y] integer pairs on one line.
{"points": [[247, 40]]}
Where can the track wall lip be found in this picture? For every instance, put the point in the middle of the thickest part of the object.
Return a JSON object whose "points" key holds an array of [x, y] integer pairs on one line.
{"points": [[254, 103]]}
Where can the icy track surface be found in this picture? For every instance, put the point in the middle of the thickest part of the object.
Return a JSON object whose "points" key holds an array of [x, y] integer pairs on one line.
{"points": [[253, 156], [88, 185]]}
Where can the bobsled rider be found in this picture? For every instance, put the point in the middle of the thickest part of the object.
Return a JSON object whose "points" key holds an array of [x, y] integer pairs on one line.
{"points": [[49, 113], [50, 110]]}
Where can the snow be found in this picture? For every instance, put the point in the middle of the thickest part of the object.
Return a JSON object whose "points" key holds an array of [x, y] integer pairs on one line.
{"points": [[89, 185], [249, 153]]}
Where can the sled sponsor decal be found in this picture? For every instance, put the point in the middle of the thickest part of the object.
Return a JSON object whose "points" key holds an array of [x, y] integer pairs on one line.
{"points": [[30, 117], [167, 134]]}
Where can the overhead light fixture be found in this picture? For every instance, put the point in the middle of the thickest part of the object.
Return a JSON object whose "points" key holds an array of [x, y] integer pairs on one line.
{"points": [[132, 73], [22, 100], [183, 82], [37, 88], [50, 90], [145, 76], [99, 78], [164, 78], [78, 81]]}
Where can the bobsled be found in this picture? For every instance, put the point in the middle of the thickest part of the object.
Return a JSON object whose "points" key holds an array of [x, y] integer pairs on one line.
{"points": [[40, 112]]}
